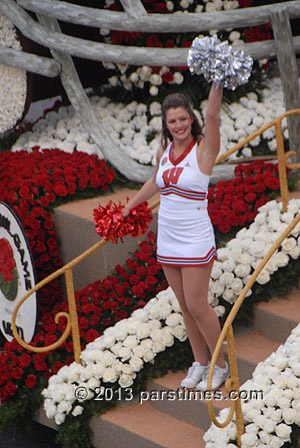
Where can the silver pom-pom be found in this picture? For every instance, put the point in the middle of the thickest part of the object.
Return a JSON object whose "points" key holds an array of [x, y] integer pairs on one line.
{"points": [[218, 62]]}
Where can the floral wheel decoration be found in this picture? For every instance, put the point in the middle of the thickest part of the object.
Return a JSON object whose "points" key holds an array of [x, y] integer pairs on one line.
{"points": [[111, 225], [13, 86]]}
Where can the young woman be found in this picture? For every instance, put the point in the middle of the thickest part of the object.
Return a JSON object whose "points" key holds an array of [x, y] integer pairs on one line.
{"points": [[185, 242]]}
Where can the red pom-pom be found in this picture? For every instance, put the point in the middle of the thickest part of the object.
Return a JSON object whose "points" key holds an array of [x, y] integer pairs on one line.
{"points": [[111, 225]]}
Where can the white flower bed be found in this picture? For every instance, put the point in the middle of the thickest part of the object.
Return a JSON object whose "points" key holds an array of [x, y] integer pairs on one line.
{"points": [[267, 420], [132, 125], [13, 84], [241, 255], [117, 355], [122, 350]]}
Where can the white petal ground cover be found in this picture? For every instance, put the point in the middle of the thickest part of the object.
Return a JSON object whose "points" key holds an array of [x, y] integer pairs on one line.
{"points": [[134, 127], [267, 420], [123, 349]]}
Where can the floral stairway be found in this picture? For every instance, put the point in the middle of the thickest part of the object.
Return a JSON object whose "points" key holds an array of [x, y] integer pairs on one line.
{"points": [[48, 177]]}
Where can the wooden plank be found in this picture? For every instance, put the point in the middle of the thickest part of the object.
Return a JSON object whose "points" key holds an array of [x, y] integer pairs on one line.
{"points": [[134, 8], [115, 53], [29, 62], [81, 103], [288, 73], [158, 23]]}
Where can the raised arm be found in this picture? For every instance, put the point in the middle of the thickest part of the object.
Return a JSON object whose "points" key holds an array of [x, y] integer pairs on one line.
{"points": [[148, 190], [210, 145]]}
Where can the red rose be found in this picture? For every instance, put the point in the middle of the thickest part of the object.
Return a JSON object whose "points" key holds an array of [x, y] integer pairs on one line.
{"points": [[39, 361], [17, 373], [30, 381], [24, 360], [7, 261], [91, 335], [57, 366], [10, 388]]}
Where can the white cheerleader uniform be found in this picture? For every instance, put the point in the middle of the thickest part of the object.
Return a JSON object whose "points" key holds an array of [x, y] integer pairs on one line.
{"points": [[185, 233]]}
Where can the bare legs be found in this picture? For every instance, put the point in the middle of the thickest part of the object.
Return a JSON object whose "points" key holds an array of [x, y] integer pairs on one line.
{"points": [[190, 285]]}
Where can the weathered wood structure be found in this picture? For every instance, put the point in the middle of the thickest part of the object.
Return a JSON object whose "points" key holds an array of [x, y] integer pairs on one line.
{"points": [[46, 31]]}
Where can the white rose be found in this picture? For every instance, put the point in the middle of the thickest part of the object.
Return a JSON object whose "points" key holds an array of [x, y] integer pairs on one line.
{"points": [[216, 287], [281, 259], [50, 408], [223, 254], [235, 254], [229, 295], [283, 431], [109, 375], [178, 78], [168, 338], [288, 244], [60, 418], [125, 380], [153, 91], [226, 278], [294, 252], [263, 277], [158, 346], [219, 310], [170, 6], [64, 407], [246, 259], [248, 439], [216, 270], [164, 310], [228, 265], [136, 363], [180, 333], [289, 416], [174, 319], [77, 411], [242, 270], [108, 358], [237, 285], [143, 331], [131, 341], [149, 355], [155, 79], [113, 80], [234, 35], [145, 72]]}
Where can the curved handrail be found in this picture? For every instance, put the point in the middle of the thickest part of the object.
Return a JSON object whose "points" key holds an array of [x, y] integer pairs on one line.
{"points": [[72, 320], [228, 323]]}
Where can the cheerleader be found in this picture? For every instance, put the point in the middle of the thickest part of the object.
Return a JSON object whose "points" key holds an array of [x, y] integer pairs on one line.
{"points": [[185, 242]]}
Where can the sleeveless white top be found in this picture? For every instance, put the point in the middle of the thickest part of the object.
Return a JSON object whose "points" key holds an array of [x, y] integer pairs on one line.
{"points": [[185, 233]]}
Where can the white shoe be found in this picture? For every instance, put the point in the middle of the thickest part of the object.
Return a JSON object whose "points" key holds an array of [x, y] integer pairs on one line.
{"points": [[195, 373], [219, 376]]}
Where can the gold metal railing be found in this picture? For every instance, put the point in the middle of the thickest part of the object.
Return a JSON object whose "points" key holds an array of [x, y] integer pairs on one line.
{"points": [[232, 383]]}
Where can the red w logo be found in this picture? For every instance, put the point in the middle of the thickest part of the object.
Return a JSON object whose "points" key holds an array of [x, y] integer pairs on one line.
{"points": [[172, 175]]}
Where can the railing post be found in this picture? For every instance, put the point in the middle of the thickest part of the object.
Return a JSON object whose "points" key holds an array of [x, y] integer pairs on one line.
{"points": [[281, 166], [235, 384], [73, 314]]}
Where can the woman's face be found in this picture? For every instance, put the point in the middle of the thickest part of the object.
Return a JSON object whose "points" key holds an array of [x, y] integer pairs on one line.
{"points": [[179, 123]]}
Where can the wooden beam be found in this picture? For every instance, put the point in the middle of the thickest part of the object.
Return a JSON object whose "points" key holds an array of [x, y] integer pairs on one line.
{"points": [[92, 123], [288, 73], [29, 62], [134, 8], [157, 23], [116, 53]]}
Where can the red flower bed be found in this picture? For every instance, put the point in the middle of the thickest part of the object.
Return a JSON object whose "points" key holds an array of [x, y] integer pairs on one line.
{"points": [[234, 203], [32, 184]]}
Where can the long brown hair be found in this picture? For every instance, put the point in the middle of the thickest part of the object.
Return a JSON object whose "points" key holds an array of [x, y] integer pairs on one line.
{"points": [[172, 101]]}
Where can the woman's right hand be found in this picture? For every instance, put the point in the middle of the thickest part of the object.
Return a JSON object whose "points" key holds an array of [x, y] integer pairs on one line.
{"points": [[126, 211]]}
